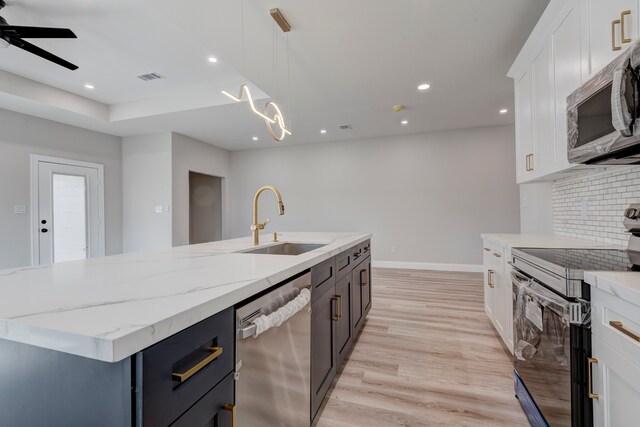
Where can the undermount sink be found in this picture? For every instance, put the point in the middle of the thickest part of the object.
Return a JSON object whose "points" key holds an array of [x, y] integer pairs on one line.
{"points": [[286, 249]]}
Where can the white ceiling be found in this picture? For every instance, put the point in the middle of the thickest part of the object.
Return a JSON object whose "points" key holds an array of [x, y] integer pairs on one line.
{"points": [[350, 61]]}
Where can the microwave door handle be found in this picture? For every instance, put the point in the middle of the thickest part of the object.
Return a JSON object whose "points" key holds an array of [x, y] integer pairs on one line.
{"points": [[619, 109]]}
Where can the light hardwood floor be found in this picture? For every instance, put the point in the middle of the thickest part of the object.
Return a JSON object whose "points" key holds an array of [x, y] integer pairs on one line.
{"points": [[427, 356]]}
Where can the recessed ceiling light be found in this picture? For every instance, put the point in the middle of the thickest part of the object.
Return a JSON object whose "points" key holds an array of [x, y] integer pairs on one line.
{"points": [[255, 138], [503, 111], [424, 86], [89, 86], [404, 122], [213, 59], [323, 131]]}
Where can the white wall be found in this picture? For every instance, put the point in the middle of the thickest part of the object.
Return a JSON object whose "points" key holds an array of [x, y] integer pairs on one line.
{"points": [[189, 154], [23, 135], [430, 195], [146, 181], [536, 208]]}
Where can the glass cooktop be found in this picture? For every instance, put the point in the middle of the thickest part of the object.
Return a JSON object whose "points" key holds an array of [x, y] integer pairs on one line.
{"points": [[588, 259]]}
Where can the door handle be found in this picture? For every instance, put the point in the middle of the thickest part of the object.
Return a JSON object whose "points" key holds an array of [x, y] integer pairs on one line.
{"points": [[363, 282], [614, 47], [623, 37], [590, 362], [183, 376], [620, 327], [336, 316], [489, 277], [231, 408]]}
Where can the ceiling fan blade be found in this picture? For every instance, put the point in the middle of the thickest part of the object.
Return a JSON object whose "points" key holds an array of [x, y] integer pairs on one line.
{"points": [[42, 53], [37, 32]]}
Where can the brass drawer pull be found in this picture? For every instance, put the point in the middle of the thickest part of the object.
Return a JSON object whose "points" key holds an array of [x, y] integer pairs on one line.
{"points": [[340, 305], [620, 327], [231, 408], [497, 255], [487, 249], [182, 377], [363, 282], [590, 393], [622, 15], [490, 274], [613, 35], [336, 316]]}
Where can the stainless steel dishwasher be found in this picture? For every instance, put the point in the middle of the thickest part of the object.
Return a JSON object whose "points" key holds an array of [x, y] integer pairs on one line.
{"points": [[273, 369]]}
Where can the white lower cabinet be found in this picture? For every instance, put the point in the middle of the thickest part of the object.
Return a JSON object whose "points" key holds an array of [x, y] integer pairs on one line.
{"points": [[497, 291], [616, 382], [615, 366]]}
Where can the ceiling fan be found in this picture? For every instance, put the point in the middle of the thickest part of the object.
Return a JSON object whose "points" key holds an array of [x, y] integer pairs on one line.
{"points": [[13, 35]]}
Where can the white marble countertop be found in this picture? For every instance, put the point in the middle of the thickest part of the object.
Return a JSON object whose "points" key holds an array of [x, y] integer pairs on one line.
{"points": [[546, 241], [112, 307], [623, 284]]}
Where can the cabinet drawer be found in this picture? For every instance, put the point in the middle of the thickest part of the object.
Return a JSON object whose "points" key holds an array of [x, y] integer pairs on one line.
{"points": [[358, 254], [616, 322], [344, 264], [192, 354], [323, 277], [494, 256], [213, 409]]}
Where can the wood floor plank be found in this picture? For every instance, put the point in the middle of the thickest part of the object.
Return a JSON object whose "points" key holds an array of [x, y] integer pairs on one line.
{"points": [[427, 356]]}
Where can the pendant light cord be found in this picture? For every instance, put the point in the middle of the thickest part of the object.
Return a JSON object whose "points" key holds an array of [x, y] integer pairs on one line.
{"points": [[244, 64]]}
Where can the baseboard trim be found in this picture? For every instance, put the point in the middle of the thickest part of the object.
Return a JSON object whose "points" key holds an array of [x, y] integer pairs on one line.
{"points": [[471, 268]]}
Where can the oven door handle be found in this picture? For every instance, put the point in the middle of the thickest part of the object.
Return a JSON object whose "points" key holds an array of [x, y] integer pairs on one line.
{"points": [[560, 308]]}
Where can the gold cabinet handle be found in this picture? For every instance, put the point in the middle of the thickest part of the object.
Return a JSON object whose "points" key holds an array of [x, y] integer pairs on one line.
{"points": [[620, 327], [613, 35], [490, 274], [622, 15], [340, 305], [231, 408], [531, 161], [182, 377], [363, 282], [487, 249], [497, 255], [336, 316], [526, 163], [590, 362]]}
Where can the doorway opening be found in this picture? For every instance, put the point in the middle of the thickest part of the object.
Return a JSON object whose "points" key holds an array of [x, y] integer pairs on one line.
{"points": [[67, 210], [205, 208]]}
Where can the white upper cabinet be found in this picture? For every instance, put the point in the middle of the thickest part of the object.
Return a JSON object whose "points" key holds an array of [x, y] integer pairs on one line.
{"points": [[566, 76], [613, 25], [572, 40]]}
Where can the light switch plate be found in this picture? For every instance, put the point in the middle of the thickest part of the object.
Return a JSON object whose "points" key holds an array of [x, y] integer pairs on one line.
{"points": [[20, 209]]}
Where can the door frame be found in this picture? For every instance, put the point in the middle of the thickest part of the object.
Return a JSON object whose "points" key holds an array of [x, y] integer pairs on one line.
{"points": [[35, 220]]}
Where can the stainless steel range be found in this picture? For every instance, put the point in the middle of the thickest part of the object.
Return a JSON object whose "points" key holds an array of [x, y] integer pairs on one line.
{"points": [[552, 326]]}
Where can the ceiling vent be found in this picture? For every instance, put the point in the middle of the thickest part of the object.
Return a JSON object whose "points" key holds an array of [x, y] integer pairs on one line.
{"points": [[150, 76], [346, 127]]}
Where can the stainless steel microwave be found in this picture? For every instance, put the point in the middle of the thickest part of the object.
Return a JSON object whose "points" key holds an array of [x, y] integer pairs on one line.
{"points": [[603, 115]]}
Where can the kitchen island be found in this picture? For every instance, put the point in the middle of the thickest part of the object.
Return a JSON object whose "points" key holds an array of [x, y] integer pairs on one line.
{"points": [[73, 335]]}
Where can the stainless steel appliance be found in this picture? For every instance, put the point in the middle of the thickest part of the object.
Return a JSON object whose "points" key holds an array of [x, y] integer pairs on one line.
{"points": [[273, 369], [602, 114], [552, 330]]}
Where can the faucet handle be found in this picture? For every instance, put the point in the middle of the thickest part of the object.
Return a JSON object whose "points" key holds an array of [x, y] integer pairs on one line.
{"points": [[264, 224]]}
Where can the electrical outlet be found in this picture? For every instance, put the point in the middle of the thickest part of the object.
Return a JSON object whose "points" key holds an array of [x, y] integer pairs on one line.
{"points": [[19, 209], [157, 209], [525, 202], [394, 249]]}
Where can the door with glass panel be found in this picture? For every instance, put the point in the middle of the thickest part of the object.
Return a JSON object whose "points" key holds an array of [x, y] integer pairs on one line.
{"points": [[68, 218]]}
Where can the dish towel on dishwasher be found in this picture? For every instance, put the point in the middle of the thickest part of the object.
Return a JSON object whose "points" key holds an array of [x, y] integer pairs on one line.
{"points": [[281, 315]]}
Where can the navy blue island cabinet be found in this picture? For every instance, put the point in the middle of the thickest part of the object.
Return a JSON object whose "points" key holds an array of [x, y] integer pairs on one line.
{"points": [[184, 380]]}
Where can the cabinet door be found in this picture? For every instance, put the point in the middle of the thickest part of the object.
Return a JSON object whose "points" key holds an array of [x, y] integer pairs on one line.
{"points": [[489, 291], [215, 409], [616, 381], [542, 132], [524, 126], [567, 77], [344, 332], [357, 309], [605, 35], [323, 346], [501, 314]]}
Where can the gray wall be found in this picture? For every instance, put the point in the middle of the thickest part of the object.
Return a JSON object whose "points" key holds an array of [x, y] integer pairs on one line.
{"points": [[23, 135], [189, 154], [146, 181], [429, 195]]}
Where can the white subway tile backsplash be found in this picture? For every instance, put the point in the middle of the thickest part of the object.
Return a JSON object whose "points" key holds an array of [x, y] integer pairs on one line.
{"points": [[607, 194]]}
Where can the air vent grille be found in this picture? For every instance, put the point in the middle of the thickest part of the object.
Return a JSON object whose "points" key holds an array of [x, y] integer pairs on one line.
{"points": [[346, 127], [150, 76]]}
